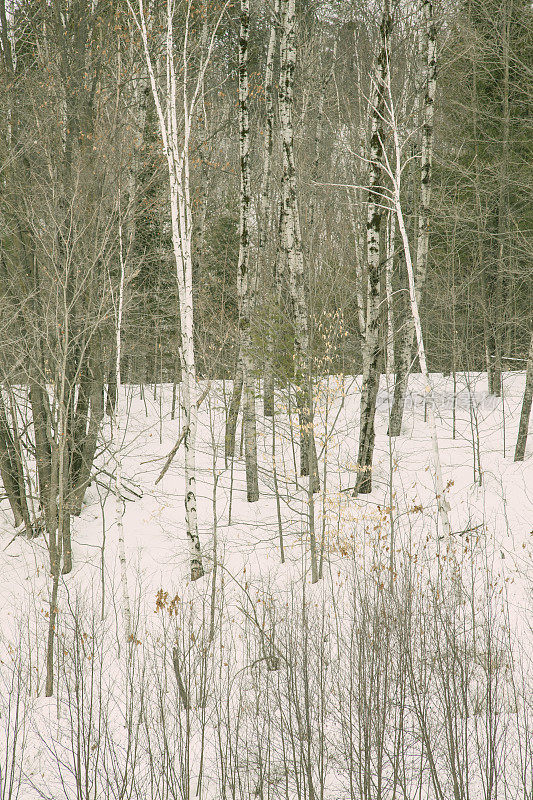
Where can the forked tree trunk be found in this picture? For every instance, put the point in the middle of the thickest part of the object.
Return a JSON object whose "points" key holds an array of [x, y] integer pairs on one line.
{"points": [[291, 246], [442, 503], [371, 344], [414, 299], [175, 132], [428, 68], [526, 408]]}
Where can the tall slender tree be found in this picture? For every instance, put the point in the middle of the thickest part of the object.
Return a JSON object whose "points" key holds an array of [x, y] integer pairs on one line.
{"points": [[427, 82], [375, 205], [395, 175], [264, 204], [291, 248], [175, 129], [525, 413], [245, 281]]}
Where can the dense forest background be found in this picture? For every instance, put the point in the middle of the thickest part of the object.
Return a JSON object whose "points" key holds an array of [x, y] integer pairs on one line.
{"points": [[80, 128]]}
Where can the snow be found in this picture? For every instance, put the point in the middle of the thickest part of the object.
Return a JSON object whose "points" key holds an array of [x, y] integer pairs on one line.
{"points": [[259, 601]]}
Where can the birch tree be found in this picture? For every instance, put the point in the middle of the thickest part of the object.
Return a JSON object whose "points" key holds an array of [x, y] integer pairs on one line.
{"points": [[375, 202], [428, 70], [442, 502], [291, 247], [268, 381], [395, 173], [175, 101], [245, 282]]}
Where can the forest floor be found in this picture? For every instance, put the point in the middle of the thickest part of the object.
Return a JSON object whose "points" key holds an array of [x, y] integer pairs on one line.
{"points": [[490, 551]]}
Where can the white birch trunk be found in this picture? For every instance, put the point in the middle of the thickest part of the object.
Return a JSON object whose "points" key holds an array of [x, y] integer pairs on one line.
{"points": [[292, 246], [268, 387], [269, 133], [442, 503], [175, 135], [371, 344], [181, 231], [245, 282], [244, 382], [428, 68]]}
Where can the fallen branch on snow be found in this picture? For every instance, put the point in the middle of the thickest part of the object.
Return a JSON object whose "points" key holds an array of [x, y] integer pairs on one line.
{"points": [[176, 447]]}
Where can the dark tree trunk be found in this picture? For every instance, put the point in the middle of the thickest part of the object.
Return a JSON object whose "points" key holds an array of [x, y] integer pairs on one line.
{"points": [[233, 413], [526, 408], [12, 474]]}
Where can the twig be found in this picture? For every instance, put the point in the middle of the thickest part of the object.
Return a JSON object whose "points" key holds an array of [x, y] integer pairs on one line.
{"points": [[176, 447], [137, 491]]}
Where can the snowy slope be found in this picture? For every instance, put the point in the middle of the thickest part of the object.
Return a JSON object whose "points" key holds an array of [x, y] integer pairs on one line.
{"points": [[260, 605]]}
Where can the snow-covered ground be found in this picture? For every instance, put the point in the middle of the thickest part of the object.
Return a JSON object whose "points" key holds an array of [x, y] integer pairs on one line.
{"points": [[404, 672]]}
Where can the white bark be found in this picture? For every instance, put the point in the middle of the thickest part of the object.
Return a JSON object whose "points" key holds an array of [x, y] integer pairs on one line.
{"points": [[175, 132], [245, 282], [429, 38], [291, 246], [263, 217], [371, 343], [428, 69], [442, 502], [269, 133]]}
